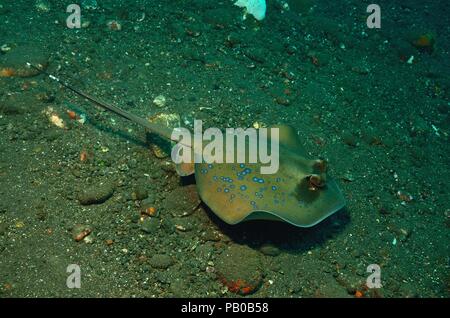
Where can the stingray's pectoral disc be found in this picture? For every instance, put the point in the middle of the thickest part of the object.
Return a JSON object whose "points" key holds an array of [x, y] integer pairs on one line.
{"points": [[300, 192]]}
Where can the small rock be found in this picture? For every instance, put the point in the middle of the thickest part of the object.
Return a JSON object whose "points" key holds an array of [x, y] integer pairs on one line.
{"points": [[185, 204], [239, 269], [150, 225], [114, 25], [140, 193], [80, 232], [161, 261], [160, 101], [42, 6], [270, 250], [96, 194], [282, 101], [149, 200], [183, 224]]}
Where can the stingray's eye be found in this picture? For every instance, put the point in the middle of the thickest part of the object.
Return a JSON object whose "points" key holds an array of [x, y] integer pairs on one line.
{"points": [[320, 165], [315, 182]]}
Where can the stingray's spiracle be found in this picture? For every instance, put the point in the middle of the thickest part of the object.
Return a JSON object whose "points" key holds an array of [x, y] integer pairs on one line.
{"points": [[320, 165], [315, 182]]}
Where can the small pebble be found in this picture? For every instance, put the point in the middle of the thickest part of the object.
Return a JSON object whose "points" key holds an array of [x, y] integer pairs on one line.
{"points": [[96, 194], [161, 261]]}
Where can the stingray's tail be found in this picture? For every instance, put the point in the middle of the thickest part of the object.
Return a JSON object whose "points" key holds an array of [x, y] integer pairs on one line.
{"points": [[160, 130]]}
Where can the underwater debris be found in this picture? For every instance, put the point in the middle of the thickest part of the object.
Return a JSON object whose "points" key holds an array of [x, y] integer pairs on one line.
{"points": [[42, 5], [109, 242], [256, 8], [150, 211], [404, 196], [80, 232], [160, 101], [5, 48], [7, 72], [114, 25], [72, 115], [359, 294], [54, 118], [83, 156], [424, 42]]}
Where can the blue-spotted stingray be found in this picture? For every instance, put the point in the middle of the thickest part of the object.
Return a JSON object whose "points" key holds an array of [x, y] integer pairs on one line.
{"points": [[300, 192]]}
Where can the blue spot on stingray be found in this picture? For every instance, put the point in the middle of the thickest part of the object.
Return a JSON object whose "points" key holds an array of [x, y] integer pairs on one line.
{"points": [[241, 165], [259, 195], [215, 178], [243, 187], [278, 179], [258, 180], [226, 190], [274, 188], [210, 166], [204, 170], [226, 179]]}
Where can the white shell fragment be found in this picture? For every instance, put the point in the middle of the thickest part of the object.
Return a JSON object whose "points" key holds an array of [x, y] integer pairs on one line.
{"points": [[256, 8], [54, 118], [160, 101]]}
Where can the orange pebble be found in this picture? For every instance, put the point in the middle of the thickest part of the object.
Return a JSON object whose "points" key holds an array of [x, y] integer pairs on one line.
{"points": [[72, 114], [7, 72], [150, 211], [359, 294], [80, 236], [109, 242], [83, 156]]}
